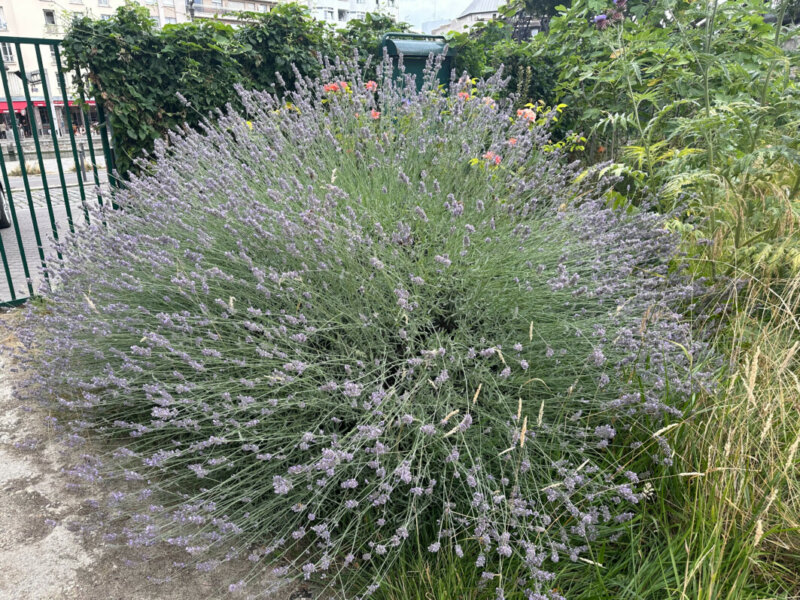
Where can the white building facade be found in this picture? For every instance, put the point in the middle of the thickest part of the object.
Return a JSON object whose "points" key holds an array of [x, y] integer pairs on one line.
{"points": [[339, 12], [479, 11], [226, 10]]}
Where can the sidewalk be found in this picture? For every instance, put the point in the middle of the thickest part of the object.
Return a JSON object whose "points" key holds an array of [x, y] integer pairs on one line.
{"points": [[43, 553], [42, 218]]}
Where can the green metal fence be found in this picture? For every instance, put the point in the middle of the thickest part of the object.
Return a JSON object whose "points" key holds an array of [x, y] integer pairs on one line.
{"points": [[43, 199]]}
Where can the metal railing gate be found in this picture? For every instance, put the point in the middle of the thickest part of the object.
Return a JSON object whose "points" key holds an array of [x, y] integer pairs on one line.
{"points": [[57, 200]]}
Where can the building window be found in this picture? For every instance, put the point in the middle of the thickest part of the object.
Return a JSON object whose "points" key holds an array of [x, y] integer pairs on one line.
{"points": [[168, 3], [106, 17], [53, 53], [342, 15], [8, 52], [217, 2], [49, 17], [263, 8], [170, 20], [236, 5], [328, 13], [102, 3], [3, 23]]}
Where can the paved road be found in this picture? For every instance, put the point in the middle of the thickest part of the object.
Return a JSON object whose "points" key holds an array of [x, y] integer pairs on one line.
{"points": [[10, 245], [53, 181]]}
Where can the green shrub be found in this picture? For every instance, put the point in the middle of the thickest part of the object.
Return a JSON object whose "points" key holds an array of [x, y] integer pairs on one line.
{"points": [[700, 103], [363, 317], [137, 71]]}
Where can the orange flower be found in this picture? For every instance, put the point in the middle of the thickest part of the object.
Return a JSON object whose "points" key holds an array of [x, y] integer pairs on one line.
{"points": [[371, 86], [489, 102], [491, 156], [463, 95], [375, 114], [336, 86], [527, 114], [601, 149], [512, 141]]}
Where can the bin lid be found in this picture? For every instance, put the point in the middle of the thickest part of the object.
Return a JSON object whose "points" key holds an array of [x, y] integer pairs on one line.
{"points": [[409, 44]]}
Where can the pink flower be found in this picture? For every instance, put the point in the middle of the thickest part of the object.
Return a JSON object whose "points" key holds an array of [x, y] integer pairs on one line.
{"points": [[371, 86], [512, 141], [527, 114], [463, 95], [491, 156], [375, 114]]}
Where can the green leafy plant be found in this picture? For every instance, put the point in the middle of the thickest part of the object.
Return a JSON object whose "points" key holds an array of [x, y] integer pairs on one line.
{"points": [[701, 103], [365, 35], [138, 70], [481, 52]]}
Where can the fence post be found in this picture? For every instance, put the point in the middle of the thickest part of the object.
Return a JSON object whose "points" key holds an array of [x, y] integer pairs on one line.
{"points": [[4, 222], [82, 158]]}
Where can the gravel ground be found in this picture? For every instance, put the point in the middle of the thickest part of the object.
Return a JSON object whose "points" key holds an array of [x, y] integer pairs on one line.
{"points": [[41, 558]]}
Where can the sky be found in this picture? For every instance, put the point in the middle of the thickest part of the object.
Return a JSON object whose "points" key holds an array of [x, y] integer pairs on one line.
{"points": [[417, 12]]}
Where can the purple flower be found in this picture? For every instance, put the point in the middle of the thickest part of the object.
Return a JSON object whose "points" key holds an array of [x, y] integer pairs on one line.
{"points": [[281, 485]]}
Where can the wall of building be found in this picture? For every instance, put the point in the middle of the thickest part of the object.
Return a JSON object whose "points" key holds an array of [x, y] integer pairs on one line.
{"points": [[464, 22], [339, 12], [225, 10]]}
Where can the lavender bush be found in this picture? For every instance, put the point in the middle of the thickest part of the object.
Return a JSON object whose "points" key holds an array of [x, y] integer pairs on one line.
{"points": [[362, 314]]}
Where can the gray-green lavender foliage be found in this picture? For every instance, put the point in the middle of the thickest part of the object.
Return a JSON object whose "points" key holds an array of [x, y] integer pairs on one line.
{"points": [[362, 313]]}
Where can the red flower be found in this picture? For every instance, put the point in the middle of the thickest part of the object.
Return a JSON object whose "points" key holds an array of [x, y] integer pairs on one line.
{"points": [[463, 95], [336, 86]]}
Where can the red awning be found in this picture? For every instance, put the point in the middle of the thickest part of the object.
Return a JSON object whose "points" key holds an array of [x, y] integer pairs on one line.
{"points": [[20, 105], [71, 103]]}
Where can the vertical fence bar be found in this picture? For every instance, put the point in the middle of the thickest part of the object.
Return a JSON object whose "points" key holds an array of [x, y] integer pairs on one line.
{"points": [[37, 146], [110, 163], [12, 210], [88, 126], [6, 268], [25, 181], [62, 84], [9, 261], [53, 136]]}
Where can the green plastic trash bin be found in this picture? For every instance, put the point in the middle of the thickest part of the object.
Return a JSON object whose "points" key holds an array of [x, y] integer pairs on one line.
{"points": [[416, 49]]}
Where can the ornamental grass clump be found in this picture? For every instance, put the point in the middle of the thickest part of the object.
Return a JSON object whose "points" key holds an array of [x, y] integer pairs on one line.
{"points": [[363, 316]]}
